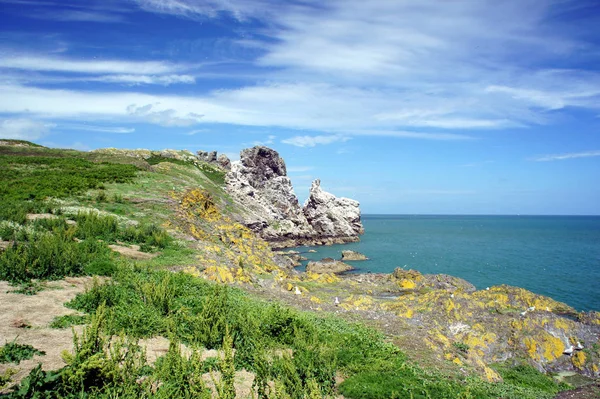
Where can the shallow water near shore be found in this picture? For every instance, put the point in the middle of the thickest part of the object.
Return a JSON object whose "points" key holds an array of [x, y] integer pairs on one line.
{"points": [[557, 256]]}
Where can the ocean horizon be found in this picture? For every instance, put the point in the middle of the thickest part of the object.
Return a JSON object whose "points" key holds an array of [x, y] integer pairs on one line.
{"points": [[553, 255]]}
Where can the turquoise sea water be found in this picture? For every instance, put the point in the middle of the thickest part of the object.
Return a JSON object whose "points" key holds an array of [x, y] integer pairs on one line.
{"points": [[557, 256]]}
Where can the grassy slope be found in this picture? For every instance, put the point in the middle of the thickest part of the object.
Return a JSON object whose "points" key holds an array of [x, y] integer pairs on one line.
{"points": [[142, 301]]}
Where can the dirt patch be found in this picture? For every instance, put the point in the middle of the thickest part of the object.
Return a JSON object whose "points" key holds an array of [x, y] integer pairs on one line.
{"points": [[132, 252], [587, 392], [242, 383], [4, 245], [27, 319]]}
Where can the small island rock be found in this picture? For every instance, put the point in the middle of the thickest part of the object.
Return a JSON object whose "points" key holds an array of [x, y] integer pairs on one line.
{"points": [[328, 265], [353, 255]]}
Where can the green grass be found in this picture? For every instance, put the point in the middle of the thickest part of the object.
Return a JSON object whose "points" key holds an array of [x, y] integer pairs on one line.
{"points": [[27, 181], [67, 321], [50, 249], [12, 352], [148, 303]]}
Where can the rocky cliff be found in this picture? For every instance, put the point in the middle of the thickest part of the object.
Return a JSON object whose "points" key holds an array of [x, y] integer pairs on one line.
{"points": [[259, 183]]}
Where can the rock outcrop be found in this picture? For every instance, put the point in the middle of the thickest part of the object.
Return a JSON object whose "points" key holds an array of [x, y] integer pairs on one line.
{"points": [[353, 255], [259, 183], [331, 216], [328, 265]]}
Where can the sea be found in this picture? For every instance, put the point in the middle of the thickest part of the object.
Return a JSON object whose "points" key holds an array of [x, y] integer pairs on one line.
{"points": [[556, 256]]}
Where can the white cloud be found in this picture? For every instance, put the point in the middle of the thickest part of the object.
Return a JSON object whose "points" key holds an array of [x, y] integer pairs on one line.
{"points": [[93, 128], [196, 131], [241, 10], [91, 66], [311, 141], [165, 80], [79, 16], [24, 129], [561, 157], [423, 71]]}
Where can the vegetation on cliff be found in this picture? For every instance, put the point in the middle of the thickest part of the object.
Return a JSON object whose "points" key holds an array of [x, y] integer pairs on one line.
{"points": [[176, 210]]}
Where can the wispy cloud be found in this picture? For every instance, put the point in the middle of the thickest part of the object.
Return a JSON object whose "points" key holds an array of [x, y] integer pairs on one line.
{"points": [[571, 155], [135, 80], [427, 72], [311, 141], [24, 129], [94, 128], [81, 16], [241, 10], [62, 64]]}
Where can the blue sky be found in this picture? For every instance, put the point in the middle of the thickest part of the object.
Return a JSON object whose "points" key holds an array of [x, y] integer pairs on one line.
{"points": [[452, 107]]}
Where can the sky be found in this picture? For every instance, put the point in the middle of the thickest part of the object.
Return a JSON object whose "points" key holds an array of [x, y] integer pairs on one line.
{"points": [[409, 107]]}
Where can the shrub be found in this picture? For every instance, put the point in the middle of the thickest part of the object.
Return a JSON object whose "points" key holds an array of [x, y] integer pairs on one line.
{"points": [[12, 352], [67, 321]]}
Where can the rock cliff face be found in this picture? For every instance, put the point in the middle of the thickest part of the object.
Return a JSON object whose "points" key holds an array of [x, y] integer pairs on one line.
{"points": [[259, 183], [331, 216]]}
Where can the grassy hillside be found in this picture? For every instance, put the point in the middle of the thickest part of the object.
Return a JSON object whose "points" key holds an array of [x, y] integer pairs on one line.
{"points": [[67, 213]]}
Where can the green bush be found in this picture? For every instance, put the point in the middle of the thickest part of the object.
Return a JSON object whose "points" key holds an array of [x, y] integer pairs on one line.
{"points": [[12, 352], [67, 321], [51, 256], [27, 181]]}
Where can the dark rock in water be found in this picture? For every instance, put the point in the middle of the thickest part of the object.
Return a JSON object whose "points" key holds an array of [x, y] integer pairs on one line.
{"points": [[353, 255], [328, 265]]}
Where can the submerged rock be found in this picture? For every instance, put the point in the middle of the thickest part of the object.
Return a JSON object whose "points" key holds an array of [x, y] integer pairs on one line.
{"points": [[353, 255], [328, 265]]}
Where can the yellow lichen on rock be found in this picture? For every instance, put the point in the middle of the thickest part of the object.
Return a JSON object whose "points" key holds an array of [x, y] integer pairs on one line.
{"points": [[361, 302], [491, 375], [326, 278], [480, 342], [191, 270], [552, 346], [531, 346], [315, 299], [578, 360], [407, 284]]}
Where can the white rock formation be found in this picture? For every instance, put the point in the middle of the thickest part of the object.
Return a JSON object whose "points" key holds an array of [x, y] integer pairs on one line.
{"points": [[259, 183], [331, 216]]}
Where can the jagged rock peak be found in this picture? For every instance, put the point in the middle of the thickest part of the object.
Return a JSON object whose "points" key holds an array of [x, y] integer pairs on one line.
{"points": [[259, 182], [331, 216], [263, 164]]}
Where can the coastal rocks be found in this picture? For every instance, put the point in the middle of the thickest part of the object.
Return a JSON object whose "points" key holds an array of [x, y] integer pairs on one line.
{"points": [[331, 216], [224, 162], [206, 156], [328, 265], [353, 255], [259, 183]]}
